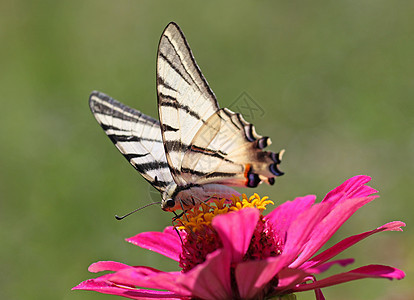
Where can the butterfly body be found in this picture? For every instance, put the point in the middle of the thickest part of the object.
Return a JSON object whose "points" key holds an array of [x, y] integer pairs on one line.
{"points": [[185, 197], [196, 150]]}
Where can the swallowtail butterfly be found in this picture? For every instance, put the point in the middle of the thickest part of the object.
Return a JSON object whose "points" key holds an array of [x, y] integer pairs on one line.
{"points": [[196, 150]]}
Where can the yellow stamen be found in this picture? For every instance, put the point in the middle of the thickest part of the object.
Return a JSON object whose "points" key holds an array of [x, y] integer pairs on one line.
{"points": [[199, 218]]}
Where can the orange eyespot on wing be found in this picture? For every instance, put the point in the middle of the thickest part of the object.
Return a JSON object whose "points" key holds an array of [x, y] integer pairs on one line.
{"points": [[252, 179]]}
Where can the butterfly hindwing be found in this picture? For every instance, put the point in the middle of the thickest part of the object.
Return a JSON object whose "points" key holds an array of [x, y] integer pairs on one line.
{"points": [[136, 135], [227, 150]]}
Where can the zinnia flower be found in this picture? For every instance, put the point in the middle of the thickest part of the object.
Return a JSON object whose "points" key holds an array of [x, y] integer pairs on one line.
{"points": [[232, 251]]}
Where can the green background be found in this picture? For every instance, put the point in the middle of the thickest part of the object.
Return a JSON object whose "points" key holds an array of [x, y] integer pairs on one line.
{"points": [[335, 80]]}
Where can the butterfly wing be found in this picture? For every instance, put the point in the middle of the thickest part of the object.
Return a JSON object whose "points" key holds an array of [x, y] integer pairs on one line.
{"points": [[136, 135], [227, 150], [185, 101], [204, 144]]}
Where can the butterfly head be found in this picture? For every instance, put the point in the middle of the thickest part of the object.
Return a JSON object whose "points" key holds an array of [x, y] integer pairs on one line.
{"points": [[168, 202], [168, 205]]}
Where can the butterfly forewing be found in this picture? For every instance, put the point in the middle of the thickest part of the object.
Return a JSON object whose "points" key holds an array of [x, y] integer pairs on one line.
{"points": [[185, 101], [136, 135]]}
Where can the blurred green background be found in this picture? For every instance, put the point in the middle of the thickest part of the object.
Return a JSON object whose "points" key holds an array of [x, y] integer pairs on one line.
{"points": [[335, 81]]}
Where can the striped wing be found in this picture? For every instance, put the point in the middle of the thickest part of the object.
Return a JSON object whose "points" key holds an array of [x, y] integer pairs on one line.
{"points": [[137, 137], [185, 101], [204, 144], [227, 150]]}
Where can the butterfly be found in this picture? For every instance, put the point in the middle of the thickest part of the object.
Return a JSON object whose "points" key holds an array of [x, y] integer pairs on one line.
{"points": [[196, 151]]}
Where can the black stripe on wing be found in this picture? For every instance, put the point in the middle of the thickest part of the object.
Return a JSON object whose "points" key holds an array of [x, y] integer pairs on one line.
{"points": [[161, 82], [106, 107], [207, 174], [128, 138], [172, 102], [154, 165], [160, 185], [134, 155], [176, 68], [214, 153], [176, 146]]}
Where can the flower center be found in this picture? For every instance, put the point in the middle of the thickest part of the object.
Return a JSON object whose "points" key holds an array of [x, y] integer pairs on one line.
{"points": [[202, 239]]}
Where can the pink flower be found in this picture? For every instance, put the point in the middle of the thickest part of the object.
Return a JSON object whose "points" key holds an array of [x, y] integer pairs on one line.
{"points": [[245, 255]]}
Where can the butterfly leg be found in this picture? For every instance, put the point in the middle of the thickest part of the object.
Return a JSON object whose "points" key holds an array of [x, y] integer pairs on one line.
{"points": [[206, 201], [184, 211], [175, 228], [176, 217]]}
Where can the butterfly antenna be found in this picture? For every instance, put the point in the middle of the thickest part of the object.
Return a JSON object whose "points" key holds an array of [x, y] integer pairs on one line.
{"points": [[134, 211]]}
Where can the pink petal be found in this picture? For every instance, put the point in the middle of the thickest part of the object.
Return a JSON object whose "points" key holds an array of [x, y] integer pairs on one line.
{"points": [[105, 287], [330, 224], [324, 267], [252, 276], [283, 215], [106, 266], [149, 278], [289, 278], [235, 230], [143, 277], [352, 188], [348, 242], [166, 243], [301, 229], [370, 271], [211, 279]]}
